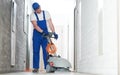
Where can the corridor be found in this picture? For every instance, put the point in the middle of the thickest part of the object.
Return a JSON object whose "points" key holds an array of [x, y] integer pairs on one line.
{"points": [[87, 37]]}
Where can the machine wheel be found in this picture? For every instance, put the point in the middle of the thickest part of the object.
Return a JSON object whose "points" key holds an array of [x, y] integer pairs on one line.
{"points": [[49, 69]]}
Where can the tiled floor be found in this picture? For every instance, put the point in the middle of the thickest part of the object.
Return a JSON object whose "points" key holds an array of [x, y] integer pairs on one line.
{"points": [[43, 73]]}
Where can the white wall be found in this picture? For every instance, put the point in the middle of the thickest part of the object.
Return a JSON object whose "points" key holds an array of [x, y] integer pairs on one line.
{"points": [[98, 51]]}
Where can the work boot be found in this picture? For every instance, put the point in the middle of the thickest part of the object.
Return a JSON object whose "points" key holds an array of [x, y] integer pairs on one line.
{"points": [[35, 70]]}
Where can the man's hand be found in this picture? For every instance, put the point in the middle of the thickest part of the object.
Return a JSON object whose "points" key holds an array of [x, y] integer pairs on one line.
{"points": [[45, 33], [56, 36]]}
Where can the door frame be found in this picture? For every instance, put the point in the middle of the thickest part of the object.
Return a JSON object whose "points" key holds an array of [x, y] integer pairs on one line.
{"points": [[118, 23]]}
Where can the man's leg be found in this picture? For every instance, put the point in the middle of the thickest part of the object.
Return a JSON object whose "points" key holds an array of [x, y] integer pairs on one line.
{"points": [[36, 57], [45, 54]]}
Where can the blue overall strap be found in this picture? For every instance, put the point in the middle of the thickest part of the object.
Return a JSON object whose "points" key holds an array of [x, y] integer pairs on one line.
{"points": [[43, 15], [36, 16]]}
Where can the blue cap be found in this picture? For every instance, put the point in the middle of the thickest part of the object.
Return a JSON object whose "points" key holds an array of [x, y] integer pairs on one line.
{"points": [[35, 6]]}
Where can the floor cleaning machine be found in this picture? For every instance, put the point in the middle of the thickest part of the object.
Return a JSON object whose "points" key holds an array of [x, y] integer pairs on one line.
{"points": [[55, 62]]}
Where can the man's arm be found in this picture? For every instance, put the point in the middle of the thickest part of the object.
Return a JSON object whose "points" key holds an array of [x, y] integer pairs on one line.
{"points": [[51, 25], [52, 28], [34, 23]]}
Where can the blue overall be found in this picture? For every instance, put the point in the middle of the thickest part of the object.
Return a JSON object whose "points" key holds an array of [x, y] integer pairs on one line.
{"points": [[38, 41]]}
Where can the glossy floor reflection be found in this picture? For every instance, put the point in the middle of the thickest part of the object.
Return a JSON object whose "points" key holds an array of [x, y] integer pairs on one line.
{"points": [[43, 73]]}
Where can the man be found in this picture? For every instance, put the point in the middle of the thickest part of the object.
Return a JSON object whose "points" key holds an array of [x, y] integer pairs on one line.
{"points": [[42, 23]]}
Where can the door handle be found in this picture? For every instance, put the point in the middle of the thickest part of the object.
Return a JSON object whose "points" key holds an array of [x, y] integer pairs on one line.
{"points": [[13, 31]]}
